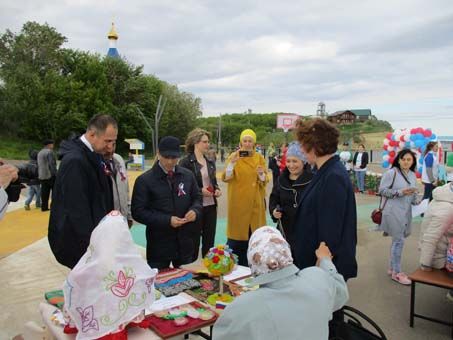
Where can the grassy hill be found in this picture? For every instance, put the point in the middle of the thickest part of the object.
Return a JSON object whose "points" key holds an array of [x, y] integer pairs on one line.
{"points": [[16, 148], [371, 133]]}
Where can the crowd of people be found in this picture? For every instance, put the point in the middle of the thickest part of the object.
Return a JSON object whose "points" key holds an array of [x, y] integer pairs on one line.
{"points": [[177, 201]]}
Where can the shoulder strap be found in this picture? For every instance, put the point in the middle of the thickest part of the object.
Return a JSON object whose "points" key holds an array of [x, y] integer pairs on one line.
{"points": [[390, 187]]}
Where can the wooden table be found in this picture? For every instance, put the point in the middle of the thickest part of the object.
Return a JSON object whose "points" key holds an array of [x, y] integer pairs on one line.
{"points": [[436, 278]]}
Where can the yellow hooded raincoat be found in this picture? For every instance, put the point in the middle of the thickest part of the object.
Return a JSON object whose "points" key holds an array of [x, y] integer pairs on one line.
{"points": [[246, 197]]}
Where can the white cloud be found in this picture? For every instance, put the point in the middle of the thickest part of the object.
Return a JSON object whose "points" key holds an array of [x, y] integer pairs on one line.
{"points": [[391, 57]]}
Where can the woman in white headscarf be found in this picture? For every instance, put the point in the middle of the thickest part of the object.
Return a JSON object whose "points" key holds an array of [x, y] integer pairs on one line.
{"points": [[289, 301], [111, 285]]}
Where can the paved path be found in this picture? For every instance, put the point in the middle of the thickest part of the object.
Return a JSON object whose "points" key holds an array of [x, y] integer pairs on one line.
{"points": [[29, 272]]}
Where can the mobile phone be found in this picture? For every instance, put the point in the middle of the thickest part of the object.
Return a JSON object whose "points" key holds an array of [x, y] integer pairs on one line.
{"points": [[244, 153]]}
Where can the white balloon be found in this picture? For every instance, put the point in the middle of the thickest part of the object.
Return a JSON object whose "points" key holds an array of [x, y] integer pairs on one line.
{"points": [[385, 157], [390, 148], [386, 141], [402, 145], [407, 136]]}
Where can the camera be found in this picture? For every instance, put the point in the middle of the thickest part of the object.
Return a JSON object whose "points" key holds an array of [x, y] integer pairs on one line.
{"points": [[244, 153], [27, 174]]}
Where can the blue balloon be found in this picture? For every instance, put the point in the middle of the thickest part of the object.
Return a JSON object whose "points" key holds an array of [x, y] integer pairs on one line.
{"points": [[418, 143], [393, 137], [420, 136], [408, 145], [420, 160], [385, 152], [385, 164], [433, 136], [413, 138], [420, 169]]}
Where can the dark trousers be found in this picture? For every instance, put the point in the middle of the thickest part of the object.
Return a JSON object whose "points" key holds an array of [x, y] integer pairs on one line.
{"points": [[46, 188], [166, 264], [428, 191], [208, 224], [240, 249]]}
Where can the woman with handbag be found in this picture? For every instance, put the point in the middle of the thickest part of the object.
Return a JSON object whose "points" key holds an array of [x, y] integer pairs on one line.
{"points": [[398, 187]]}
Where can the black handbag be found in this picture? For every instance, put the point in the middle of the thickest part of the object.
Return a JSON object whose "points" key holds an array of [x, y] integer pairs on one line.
{"points": [[350, 326]]}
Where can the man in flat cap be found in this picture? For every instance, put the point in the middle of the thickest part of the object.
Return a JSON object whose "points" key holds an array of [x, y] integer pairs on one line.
{"points": [[47, 171], [168, 201]]}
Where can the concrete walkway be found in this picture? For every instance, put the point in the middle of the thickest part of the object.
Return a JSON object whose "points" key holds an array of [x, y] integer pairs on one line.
{"points": [[29, 272]]}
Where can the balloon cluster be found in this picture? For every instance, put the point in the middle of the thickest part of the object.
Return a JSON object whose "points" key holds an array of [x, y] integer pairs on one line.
{"points": [[220, 260], [415, 139]]}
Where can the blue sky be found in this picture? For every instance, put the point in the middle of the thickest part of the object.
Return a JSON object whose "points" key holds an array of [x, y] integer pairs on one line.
{"points": [[394, 57]]}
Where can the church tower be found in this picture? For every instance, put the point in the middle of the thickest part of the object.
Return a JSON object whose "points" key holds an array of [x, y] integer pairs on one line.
{"points": [[113, 37]]}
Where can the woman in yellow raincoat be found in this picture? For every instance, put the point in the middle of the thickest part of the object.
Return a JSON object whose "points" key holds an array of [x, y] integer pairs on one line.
{"points": [[246, 175]]}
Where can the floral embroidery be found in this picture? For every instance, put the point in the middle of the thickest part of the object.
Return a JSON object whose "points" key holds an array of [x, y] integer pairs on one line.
{"points": [[122, 284], [123, 306], [88, 320], [149, 283]]}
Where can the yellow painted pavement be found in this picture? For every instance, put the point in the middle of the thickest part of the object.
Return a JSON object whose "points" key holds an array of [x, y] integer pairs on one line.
{"points": [[19, 228]]}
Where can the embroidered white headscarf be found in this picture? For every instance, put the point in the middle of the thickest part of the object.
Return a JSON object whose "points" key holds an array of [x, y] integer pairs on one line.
{"points": [[268, 251], [111, 284]]}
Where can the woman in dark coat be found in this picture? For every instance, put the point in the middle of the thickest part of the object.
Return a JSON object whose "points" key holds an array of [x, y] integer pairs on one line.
{"points": [[327, 209], [360, 162], [285, 195], [197, 146]]}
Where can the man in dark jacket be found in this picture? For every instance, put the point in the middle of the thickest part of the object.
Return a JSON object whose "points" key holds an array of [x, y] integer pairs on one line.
{"points": [[47, 169], [82, 195], [167, 199]]}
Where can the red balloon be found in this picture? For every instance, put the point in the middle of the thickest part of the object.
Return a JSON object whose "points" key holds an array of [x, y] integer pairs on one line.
{"points": [[386, 147], [394, 143], [402, 138], [413, 131], [391, 159], [392, 154], [389, 136], [427, 133], [418, 175]]}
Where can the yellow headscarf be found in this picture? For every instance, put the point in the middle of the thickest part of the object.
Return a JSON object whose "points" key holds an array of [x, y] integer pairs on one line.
{"points": [[248, 133]]}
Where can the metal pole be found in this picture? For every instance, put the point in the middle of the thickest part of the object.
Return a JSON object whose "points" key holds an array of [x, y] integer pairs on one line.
{"points": [[159, 112], [156, 125], [149, 126], [219, 139]]}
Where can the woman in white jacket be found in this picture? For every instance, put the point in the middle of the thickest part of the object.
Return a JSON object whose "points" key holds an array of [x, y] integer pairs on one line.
{"points": [[437, 229]]}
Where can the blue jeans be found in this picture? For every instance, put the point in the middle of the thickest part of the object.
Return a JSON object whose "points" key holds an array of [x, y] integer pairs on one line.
{"points": [[32, 191], [360, 176], [395, 254]]}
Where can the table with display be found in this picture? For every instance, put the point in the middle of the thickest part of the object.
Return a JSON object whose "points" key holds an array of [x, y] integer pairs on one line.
{"points": [[137, 333]]}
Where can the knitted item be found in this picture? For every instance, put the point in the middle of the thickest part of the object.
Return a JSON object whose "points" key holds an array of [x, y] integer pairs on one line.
{"points": [[170, 277]]}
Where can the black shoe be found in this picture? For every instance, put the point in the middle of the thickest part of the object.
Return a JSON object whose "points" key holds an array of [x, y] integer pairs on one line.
{"points": [[44, 209]]}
